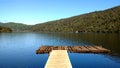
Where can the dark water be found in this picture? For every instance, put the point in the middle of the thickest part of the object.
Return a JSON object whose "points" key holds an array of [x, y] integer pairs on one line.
{"points": [[17, 50]]}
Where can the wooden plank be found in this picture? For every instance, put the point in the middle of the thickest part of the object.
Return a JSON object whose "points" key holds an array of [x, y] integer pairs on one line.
{"points": [[58, 59], [92, 49], [84, 49], [101, 49], [77, 49], [71, 49]]}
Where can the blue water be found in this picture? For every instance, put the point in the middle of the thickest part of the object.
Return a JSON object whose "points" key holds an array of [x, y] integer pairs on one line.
{"points": [[18, 50]]}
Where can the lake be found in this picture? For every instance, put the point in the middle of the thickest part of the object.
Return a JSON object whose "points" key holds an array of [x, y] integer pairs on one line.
{"points": [[18, 50]]}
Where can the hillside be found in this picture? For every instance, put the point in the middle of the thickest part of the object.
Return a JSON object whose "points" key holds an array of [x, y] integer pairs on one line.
{"points": [[107, 21], [4, 29], [16, 27]]}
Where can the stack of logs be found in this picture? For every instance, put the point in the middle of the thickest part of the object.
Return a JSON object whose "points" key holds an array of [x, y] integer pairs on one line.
{"points": [[73, 49]]}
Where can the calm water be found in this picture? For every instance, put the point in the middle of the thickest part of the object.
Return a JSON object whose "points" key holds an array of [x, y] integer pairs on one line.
{"points": [[17, 50]]}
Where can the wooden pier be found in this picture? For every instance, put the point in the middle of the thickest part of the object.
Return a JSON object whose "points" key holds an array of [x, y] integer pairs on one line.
{"points": [[73, 49], [58, 59], [58, 56]]}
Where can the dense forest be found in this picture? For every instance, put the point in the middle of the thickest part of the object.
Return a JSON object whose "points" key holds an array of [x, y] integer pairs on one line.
{"points": [[105, 21], [98, 21], [17, 27], [5, 29]]}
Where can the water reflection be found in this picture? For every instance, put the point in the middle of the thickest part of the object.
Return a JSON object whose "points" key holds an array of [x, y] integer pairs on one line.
{"points": [[109, 41]]}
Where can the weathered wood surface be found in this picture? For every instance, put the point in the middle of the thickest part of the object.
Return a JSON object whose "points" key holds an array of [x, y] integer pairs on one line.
{"points": [[58, 59], [73, 49]]}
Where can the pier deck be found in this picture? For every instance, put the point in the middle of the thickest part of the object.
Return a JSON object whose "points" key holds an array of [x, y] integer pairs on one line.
{"points": [[58, 59]]}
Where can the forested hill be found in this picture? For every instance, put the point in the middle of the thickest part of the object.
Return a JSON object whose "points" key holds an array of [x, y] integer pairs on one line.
{"points": [[98, 21], [106, 21], [5, 29], [16, 27]]}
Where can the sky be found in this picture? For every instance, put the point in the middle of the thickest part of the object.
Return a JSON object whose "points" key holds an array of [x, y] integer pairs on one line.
{"points": [[40, 11]]}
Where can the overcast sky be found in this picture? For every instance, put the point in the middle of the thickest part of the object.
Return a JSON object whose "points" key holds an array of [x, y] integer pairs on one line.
{"points": [[39, 11]]}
